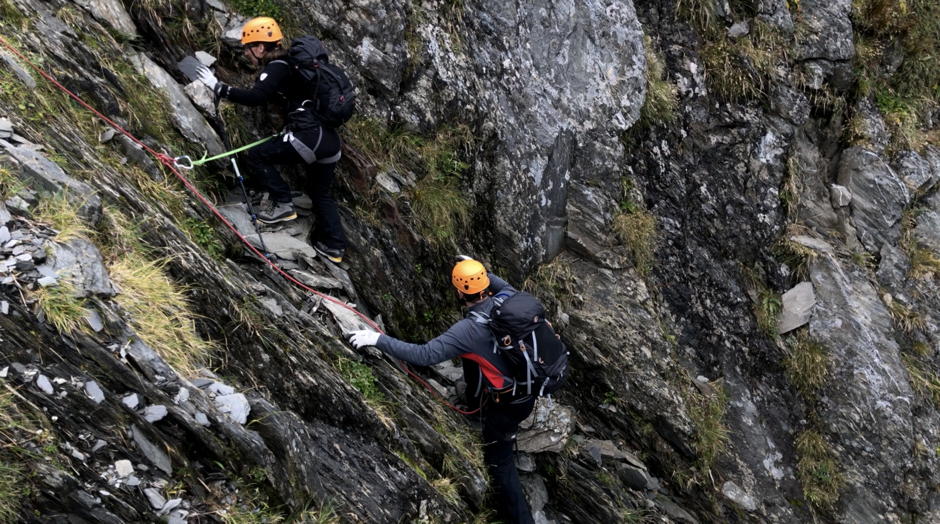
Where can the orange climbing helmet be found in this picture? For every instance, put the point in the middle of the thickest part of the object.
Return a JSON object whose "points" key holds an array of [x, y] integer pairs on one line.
{"points": [[469, 277], [261, 29]]}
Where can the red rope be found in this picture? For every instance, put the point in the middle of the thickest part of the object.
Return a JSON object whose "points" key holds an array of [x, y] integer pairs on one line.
{"points": [[171, 165]]}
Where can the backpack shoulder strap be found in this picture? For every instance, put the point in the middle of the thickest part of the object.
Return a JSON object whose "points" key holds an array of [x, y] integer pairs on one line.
{"points": [[480, 318]]}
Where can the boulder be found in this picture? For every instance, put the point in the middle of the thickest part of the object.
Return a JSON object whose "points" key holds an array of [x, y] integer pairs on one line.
{"points": [[878, 197]]}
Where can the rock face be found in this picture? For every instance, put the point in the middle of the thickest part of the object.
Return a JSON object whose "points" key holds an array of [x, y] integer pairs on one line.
{"points": [[691, 390]]}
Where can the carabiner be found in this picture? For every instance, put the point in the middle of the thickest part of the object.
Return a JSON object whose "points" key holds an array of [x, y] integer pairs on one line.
{"points": [[183, 162]]}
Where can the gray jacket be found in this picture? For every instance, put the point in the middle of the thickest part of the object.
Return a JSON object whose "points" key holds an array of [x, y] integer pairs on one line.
{"points": [[468, 338]]}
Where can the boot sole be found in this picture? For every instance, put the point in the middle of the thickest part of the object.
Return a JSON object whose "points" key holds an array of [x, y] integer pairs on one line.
{"points": [[335, 260], [284, 218]]}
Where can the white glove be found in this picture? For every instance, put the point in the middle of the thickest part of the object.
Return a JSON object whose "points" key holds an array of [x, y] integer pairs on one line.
{"points": [[362, 338], [206, 76]]}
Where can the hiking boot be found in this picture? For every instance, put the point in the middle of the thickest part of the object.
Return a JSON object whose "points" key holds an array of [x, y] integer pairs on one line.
{"points": [[281, 212], [333, 254]]}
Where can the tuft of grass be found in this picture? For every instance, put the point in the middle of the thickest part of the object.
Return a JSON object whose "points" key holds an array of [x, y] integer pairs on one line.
{"points": [[60, 306], [360, 376], [807, 365], [159, 312], [662, 102], [9, 184], [62, 215], [10, 13], [16, 427], [741, 69], [905, 318], [923, 380], [442, 210], [204, 235], [711, 434], [818, 469], [637, 230], [796, 256]]}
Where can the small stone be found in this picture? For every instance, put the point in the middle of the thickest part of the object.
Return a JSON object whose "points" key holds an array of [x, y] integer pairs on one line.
{"points": [[4, 371], [738, 30], [170, 506], [94, 392], [156, 499], [43, 382], [4, 307], [181, 396], [6, 127], [106, 135], [221, 389], [202, 419], [94, 320], [737, 495], [98, 445], [205, 58], [798, 305], [155, 412], [133, 481], [131, 401], [124, 468], [235, 405], [154, 453], [4, 234], [202, 382], [839, 196], [47, 281]]}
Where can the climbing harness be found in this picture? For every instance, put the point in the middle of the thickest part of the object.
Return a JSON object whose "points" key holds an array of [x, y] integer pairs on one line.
{"points": [[171, 164], [187, 163]]}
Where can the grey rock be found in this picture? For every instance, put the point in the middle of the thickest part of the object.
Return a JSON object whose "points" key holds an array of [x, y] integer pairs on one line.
{"points": [[866, 402], [47, 281], [878, 197], [219, 388], [674, 511], [205, 58], [124, 468], [4, 307], [181, 396], [81, 259], [45, 175], [347, 320], [43, 383], [131, 401], [21, 73], [6, 128], [132, 481], [201, 418], [154, 454], [635, 478], [798, 305], [546, 429], [271, 305], [94, 392], [839, 196], [525, 462], [154, 413], [111, 12], [735, 494], [927, 225], [202, 383], [177, 517], [170, 505], [98, 445], [316, 281], [738, 29], [235, 406], [186, 118], [284, 246], [535, 493], [94, 320], [387, 183], [156, 499], [201, 96], [915, 170], [303, 202]]}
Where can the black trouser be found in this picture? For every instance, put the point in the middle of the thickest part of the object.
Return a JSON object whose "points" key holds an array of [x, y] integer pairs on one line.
{"points": [[500, 423], [261, 161]]}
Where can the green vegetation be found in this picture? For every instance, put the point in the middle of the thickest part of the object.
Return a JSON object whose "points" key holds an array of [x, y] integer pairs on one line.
{"points": [[923, 379], [741, 69], [905, 318], [924, 262], [818, 469], [205, 236], [807, 364], [441, 209], [252, 8], [60, 306], [9, 184], [159, 312], [661, 103], [360, 376], [796, 256], [10, 13], [636, 228], [23, 427], [906, 91], [707, 412], [62, 215]]}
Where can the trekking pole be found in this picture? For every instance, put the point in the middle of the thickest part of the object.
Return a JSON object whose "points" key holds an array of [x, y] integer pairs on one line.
{"points": [[251, 209]]}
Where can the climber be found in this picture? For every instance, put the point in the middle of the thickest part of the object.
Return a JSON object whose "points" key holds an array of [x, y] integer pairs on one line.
{"points": [[502, 409], [305, 141]]}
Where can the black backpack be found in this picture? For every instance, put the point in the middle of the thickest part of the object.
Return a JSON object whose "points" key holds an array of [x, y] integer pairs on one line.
{"points": [[537, 356], [333, 93]]}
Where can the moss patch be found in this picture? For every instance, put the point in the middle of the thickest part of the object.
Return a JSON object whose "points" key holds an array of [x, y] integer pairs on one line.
{"points": [[818, 469]]}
